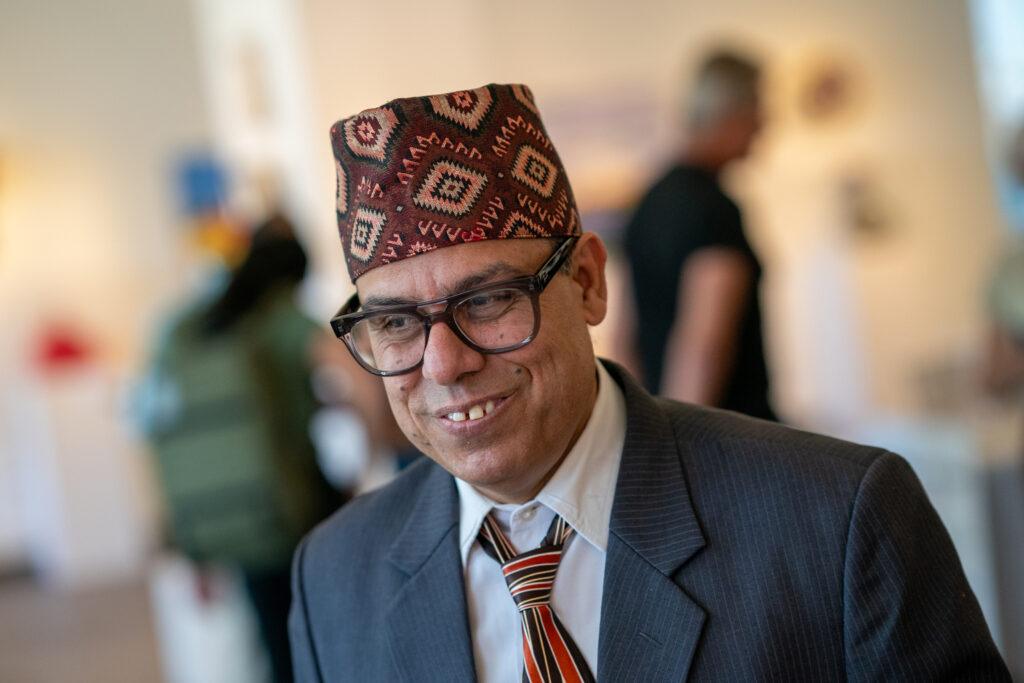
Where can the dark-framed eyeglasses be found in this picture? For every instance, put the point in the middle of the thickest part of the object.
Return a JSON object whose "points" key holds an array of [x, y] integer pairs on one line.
{"points": [[494, 318]]}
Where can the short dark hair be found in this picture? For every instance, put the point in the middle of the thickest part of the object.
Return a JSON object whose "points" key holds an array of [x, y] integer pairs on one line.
{"points": [[725, 81]]}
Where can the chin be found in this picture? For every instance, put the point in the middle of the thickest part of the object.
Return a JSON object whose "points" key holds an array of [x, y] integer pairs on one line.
{"points": [[487, 468]]}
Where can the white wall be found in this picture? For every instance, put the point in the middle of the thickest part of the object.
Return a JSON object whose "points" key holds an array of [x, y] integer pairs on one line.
{"points": [[99, 97]]}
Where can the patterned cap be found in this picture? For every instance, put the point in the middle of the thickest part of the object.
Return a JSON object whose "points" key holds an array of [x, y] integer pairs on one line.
{"points": [[421, 173]]}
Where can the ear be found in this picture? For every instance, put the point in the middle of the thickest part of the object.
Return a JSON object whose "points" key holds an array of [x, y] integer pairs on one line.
{"points": [[588, 262]]}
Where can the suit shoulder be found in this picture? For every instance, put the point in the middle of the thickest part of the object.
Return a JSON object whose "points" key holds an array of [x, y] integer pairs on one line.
{"points": [[725, 440], [755, 481]]}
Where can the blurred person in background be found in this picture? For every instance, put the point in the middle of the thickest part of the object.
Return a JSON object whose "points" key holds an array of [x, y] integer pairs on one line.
{"points": [[360, 444], [1003, 378], [1004, 364], [694, 276], [230, 430], [1004, 367]]}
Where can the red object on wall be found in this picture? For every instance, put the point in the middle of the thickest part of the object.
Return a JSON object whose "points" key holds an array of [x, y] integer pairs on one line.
{"points": [[59, 347]]}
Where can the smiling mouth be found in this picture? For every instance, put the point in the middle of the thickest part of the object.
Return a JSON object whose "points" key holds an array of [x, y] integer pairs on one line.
{"points": [[474, 413]]}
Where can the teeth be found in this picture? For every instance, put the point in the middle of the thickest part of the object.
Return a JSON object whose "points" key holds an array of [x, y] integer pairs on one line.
{"points": [[475, 413]]}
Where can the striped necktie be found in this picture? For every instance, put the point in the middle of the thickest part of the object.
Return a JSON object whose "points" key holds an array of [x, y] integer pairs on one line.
{"points": [[549, 653]]}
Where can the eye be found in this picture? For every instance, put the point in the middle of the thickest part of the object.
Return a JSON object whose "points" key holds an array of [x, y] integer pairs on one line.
{"points": [[399, 325], [489, 305], [490, 299]]}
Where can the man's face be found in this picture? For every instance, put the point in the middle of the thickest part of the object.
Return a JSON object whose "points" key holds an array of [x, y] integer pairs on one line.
{"points": [[536, 399], [740, 129]]}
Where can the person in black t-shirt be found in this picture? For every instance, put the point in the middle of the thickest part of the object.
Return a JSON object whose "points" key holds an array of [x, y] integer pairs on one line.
{"points": [[694, 276]]}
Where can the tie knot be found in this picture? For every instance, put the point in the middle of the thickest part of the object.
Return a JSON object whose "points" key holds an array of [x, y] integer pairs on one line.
{"points": [[531, 576]]}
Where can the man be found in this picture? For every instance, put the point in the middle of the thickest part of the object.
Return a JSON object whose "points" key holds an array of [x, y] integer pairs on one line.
{"points": [[694, 277], [567, 525]]}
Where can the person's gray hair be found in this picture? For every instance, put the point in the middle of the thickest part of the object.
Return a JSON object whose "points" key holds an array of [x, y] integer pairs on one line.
{"points": [[724, 83]]}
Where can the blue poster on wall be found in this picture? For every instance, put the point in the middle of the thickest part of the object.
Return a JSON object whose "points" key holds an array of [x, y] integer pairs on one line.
{"points": [[201, 184]]}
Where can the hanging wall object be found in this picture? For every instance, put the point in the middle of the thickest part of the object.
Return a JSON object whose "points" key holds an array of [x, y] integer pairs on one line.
{"points": [[828, 90]]}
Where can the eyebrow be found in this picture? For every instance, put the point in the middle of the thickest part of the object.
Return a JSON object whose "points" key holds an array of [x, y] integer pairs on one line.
{"points": [[465, 284]]}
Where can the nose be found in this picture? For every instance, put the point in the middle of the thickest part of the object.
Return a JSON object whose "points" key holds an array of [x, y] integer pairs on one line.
{"points": [[446, 358]]}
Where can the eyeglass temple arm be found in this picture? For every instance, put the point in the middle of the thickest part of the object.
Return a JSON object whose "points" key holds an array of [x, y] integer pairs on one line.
{"points": [[548, 269]]}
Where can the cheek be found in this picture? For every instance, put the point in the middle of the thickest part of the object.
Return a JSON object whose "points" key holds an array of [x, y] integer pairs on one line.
{"points": [[398, 399]]}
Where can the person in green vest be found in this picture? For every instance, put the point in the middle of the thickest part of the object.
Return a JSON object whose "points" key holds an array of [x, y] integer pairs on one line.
{"points": [[235, 462]]}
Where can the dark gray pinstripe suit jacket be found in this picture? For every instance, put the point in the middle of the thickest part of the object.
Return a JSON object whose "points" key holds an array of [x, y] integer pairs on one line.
{"points": [[739, 551]]}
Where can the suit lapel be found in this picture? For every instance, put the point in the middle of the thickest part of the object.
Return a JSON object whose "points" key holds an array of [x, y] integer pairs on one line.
{"points": [[427, 624], [649, 626]]}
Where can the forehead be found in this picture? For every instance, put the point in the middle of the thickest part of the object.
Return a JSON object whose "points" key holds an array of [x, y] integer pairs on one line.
{"points": [[452, 269]]}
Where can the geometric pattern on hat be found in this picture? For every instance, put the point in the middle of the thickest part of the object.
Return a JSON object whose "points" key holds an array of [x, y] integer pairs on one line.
{"points": [[341, 201], [450, 188], [525, 97], [467, 108], [423, 173], [367, 227], [519, 225], [371, 134], [535, 171]]}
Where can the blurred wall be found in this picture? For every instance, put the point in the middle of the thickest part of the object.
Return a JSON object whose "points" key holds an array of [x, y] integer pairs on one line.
{"points": [[853, 323], [98, 100]]}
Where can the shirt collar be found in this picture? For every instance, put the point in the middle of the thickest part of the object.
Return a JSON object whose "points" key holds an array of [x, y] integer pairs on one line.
{"points": [[583, 486]]}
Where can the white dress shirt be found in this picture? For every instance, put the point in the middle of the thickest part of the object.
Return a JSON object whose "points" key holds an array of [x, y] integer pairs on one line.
{"points": [[581, 491]]}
